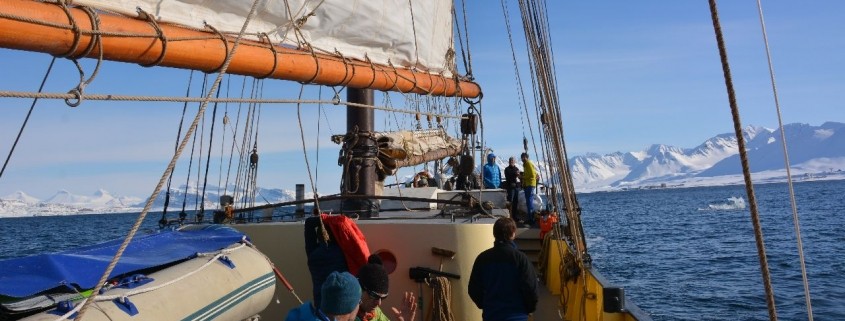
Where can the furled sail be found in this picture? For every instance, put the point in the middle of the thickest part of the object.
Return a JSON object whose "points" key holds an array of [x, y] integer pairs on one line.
{"points": [[327, 42], [358, 29], [408, 148]]}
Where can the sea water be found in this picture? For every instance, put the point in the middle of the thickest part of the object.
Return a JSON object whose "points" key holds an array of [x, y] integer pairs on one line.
{"points": [[680, 254], [691, 254]]}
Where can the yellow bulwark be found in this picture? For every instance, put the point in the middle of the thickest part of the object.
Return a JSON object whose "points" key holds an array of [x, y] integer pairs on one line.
{"points": [[586, 296]]}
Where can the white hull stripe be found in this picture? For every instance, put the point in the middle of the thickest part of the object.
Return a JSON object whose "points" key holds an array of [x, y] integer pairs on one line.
{"points": [[232, 299]]}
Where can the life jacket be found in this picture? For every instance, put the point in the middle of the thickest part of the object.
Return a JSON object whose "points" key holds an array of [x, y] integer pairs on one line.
{"points": [[547, 223], [350, 239]]}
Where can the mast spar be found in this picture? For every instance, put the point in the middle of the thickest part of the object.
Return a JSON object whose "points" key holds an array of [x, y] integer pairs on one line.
{"points": [[45, 27], [360, 168]]}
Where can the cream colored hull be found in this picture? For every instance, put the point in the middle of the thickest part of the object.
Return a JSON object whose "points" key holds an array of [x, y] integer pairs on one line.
{"points": [[212, 292], [411, 241]]}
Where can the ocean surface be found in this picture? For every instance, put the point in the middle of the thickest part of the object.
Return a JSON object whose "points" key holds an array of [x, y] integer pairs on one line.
{"points": [[680, 254], [690, 254]]}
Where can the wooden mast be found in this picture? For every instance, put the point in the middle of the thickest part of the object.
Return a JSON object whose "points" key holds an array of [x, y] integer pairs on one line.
{"points": [[360, 170], [206, 54]]}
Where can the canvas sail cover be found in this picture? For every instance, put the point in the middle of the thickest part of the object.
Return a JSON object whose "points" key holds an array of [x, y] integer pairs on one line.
{"points": [[409, 34], [408, 148], [405, 148]]}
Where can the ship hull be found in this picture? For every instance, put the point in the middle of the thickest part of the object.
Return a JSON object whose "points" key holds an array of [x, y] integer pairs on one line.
{"points": [[411, 241]]}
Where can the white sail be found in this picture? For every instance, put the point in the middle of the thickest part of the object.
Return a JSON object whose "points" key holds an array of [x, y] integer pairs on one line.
{"points": [[359, 29]]}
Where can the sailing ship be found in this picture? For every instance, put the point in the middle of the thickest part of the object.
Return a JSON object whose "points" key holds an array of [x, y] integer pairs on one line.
{"points": [[412, 49]]}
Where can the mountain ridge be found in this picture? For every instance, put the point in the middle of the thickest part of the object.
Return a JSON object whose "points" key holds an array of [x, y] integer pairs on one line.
{"points": [[813, 150], [816, 152]]}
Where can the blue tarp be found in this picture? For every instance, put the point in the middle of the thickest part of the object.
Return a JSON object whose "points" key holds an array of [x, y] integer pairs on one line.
{"points": [[83, 267]]}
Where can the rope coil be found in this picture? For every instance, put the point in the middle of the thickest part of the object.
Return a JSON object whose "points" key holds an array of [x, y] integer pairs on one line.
{"points": [[275, 55], [226, 57], [160, 33], [74, 28]]}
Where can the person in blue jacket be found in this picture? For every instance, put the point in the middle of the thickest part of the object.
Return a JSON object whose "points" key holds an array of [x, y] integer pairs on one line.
{"points": [[341, 295], [503, 282], [492, 173]]}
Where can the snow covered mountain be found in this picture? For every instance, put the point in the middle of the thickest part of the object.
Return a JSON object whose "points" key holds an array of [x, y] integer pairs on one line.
{"points": [[67, 203], [21, 197], [190, 196], [813, 150]]}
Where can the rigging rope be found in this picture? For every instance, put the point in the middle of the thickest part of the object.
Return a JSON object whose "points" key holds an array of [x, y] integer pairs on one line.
{"points": [[199, 199], [26, 120], [223, 139], [115, 97], [163, 221], [253, 158], [169, 169], [792, 201], [468, 65], [319, 211], [208, 157], [552, 148], [746, 171], [522, 102], [234, 140], [183, 214]]}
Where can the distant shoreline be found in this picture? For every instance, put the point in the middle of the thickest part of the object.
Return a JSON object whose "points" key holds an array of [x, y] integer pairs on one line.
{"points": [[37, 210], [728, 180]]}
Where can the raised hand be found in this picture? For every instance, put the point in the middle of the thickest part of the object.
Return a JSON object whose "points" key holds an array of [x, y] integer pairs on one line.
{"points": [[409, 308]]}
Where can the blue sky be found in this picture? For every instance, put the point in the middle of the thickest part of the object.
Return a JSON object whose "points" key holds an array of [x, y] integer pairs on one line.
{"points": [[630, 74]]}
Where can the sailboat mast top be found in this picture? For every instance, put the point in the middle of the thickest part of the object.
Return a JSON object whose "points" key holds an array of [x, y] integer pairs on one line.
{"points": [[45, 27]]}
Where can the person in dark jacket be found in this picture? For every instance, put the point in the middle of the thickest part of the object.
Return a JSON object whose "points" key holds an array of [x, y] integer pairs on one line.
{"points": [[503, 283], [512, 184]]}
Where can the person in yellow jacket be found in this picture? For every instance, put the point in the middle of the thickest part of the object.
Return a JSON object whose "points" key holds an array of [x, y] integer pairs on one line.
{"points": [[529, 186]]}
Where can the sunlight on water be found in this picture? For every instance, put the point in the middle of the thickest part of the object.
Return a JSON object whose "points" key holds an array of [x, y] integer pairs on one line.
{"points": [[733, 203]]}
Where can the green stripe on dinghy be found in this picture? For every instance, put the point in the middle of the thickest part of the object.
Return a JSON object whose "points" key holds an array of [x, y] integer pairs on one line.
{"points": [[232, 299]]}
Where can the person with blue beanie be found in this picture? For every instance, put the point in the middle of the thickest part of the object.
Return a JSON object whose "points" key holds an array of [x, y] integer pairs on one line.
{"points": [[492, 173], [341, 296]]}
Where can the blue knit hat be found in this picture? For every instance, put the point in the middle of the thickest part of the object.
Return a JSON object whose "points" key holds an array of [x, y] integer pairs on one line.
{"points": [[490, 157], [340, 293]]}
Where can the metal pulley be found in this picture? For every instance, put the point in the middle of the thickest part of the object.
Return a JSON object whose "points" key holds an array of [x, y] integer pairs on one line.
{"points": [[253, 158], [469, 124]]}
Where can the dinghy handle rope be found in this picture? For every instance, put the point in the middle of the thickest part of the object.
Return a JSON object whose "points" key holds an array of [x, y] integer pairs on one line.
{"points": [[795, 220], [746, 171], [170, 166], [214, 258]]}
